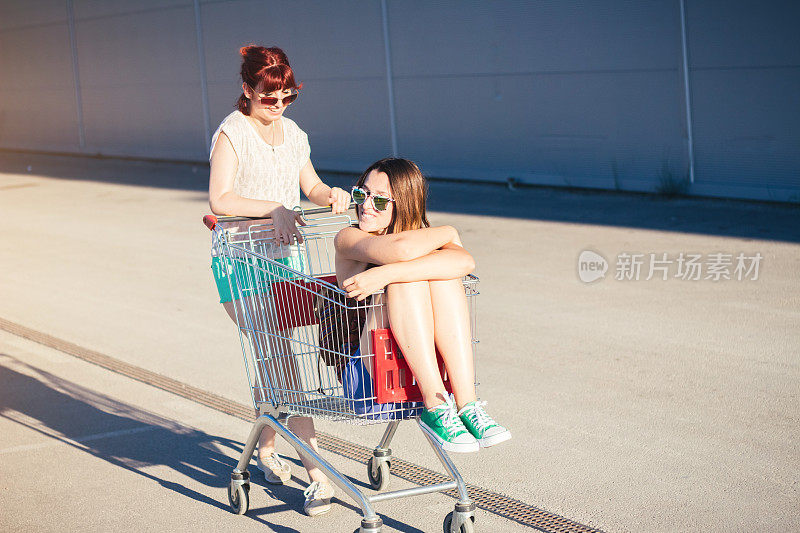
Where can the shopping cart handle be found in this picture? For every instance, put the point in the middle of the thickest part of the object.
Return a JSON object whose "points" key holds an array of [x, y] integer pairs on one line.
{"points": [[210, 221]]}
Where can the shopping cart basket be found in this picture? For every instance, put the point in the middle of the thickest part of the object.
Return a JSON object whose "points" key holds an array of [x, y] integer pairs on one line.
{"points": [[281, 295]]}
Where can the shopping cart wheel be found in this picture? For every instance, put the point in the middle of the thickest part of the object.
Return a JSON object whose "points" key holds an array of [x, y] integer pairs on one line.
{"points": [[239, 498], [370, 526], [467, 522], [379, 480]]}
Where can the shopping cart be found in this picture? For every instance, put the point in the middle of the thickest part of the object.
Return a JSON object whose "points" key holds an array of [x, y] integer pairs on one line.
{"points": [[302, 358]]}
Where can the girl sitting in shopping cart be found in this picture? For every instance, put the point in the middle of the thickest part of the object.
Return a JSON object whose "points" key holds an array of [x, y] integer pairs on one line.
{"points": [[394, 247]]}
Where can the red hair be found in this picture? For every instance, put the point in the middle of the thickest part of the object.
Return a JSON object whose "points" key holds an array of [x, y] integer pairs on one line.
{"points": [[264, 70]]}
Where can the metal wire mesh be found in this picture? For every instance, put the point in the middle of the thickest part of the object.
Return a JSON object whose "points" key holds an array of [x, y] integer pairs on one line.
{"points": [[493, 502], [308, 349]]}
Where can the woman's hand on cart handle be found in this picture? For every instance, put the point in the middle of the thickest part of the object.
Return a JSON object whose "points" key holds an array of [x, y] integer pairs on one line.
{"points": [[339, 200], [212, 220], [285, 223]]}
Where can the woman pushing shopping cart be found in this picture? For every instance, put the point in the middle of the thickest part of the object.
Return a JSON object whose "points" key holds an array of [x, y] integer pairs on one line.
{"points": [[260, 160], [366, 321]]}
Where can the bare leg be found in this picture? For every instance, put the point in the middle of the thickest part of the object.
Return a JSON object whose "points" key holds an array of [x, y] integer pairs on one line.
{"points": [[411, 320], [266, 442], [377, 318], [303, 427], [453, 337]]}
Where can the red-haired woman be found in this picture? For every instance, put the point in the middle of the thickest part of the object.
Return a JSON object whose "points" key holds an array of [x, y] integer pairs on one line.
{"points": [[259, 162], [421, 268]]}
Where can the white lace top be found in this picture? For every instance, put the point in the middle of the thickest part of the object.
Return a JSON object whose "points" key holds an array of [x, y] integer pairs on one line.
{"points": [[264, 173]]}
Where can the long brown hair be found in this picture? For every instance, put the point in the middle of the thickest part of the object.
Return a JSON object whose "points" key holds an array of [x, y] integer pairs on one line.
{"points": [[409, 190]]}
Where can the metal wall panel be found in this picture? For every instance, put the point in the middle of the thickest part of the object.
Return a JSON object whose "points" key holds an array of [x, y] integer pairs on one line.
{"points": [[37, 94], [745, 79], [31, 13], [746, 130], [88, 9], [609, 131], [583, 93], [346, 121], [457, 37], [580, 94], [140, 83], [743, 33], [336, 51]]}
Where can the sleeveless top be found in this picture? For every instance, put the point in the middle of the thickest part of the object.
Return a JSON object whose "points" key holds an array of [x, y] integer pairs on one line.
{"points": [[264, 173]]}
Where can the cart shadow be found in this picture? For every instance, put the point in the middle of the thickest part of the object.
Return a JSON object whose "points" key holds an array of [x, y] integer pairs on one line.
{"points": [[297, 465], [286, 493], [118, 433], [294, 492], [135, 440]]}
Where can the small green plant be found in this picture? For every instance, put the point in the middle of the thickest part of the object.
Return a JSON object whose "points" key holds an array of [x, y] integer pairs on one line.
{"points": [[669, 184]]}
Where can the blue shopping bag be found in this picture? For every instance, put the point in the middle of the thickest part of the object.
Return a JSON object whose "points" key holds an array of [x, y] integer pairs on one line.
{"points": [[358, 388]]}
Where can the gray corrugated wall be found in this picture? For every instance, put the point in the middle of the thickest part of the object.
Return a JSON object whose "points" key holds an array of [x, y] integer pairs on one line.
{"points": [[745, 79], [570, 93]]}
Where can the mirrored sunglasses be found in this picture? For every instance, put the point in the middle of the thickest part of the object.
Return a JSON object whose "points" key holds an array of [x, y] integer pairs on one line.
{"points": [[360, 195]]}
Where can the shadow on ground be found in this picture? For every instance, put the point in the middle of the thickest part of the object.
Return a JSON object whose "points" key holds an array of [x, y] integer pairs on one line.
{"points": [[709, 216], [134, 439]]}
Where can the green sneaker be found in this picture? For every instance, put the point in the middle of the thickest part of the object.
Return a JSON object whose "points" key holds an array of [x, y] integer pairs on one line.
{"points": [[483, 428], [445, 427]]}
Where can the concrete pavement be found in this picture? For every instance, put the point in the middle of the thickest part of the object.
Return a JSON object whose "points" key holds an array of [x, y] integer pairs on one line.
{"points": [[635, 405], [85, 449]]}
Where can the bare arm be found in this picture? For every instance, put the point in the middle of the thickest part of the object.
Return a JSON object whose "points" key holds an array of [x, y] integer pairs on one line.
{"points": [[359, 245], [451, 262], [221, 198], [224, 201], [321, 194]]}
